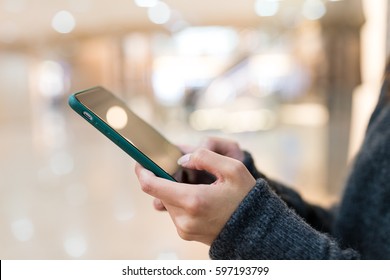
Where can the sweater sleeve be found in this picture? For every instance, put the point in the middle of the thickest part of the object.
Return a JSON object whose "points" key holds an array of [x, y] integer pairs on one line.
{"points": [[318, 217], [264, 227]]}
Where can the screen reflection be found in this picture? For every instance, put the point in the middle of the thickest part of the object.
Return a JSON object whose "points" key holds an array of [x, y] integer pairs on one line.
{"points": [[145, 138], [116, 117]]}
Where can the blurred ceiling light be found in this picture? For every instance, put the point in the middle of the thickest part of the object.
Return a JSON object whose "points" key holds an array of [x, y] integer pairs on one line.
{"points": [[63, 22], [266, 8], [211, 40], [188, 70], [168, 87], [270, 65], [51, 79], [146, 3], [313, 9], [160, 13]]}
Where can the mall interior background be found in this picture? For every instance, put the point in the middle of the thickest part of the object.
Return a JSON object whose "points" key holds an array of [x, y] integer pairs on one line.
{"points": [[293, 81]]}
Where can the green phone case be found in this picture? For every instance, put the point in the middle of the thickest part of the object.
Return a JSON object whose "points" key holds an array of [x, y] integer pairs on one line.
{"points": [[115, 137]]}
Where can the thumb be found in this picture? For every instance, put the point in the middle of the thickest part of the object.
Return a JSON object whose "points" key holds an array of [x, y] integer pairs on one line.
{"points": [[202, 159]]}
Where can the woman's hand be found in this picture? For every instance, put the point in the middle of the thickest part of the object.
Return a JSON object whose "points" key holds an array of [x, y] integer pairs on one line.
{"points": [[218, 145], [199, 212]]}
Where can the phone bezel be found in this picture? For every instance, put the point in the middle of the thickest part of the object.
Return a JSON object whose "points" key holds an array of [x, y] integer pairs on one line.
{"points": [[114, 135]]}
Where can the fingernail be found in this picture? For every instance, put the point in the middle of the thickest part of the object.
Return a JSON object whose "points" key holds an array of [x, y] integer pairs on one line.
{"points": [[184, 159]]}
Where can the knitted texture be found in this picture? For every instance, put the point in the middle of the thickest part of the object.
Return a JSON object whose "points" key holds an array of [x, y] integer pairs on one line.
{"points": [[263, 227], [363, 221]]}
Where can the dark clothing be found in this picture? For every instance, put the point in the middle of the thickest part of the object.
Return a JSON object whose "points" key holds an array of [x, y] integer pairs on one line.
{"points": [[274, 222]]}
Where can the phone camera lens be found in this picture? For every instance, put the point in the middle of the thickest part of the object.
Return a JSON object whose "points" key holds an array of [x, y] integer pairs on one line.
{"points": [[87, 115]]}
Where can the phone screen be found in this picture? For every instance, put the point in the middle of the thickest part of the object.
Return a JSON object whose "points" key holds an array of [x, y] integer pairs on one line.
{"points": [[144, 137]]}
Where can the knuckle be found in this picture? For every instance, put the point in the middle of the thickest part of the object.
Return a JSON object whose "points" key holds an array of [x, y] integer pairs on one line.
{"points": [[194, 205], [146, 185], [236, 167], [236, 146], [198, 156], [200, 153]]}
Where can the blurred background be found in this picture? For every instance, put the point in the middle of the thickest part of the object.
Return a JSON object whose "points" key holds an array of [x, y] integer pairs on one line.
{"points": [[294, 81]]}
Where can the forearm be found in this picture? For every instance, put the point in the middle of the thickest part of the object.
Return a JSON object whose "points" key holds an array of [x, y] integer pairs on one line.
{"points": [[264, 227]]}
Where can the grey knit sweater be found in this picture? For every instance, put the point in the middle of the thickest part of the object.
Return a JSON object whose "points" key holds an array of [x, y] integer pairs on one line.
{"points": [[274, 222]]}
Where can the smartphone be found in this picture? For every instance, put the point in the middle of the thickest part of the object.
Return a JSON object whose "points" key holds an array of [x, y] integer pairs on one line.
{"points": [[112, 117]]}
